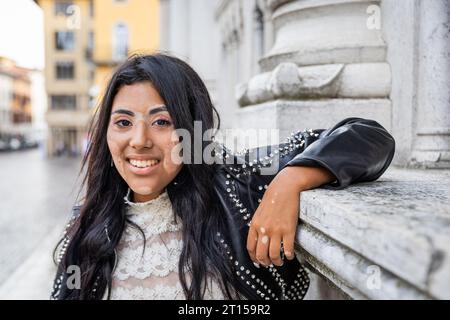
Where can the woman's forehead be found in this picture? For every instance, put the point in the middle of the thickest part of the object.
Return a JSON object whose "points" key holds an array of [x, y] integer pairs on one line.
{"points": [[139, 96], [138, 91]]}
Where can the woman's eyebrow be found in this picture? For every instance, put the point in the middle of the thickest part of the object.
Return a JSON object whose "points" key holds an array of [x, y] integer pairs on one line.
{"points": [[131, 113], [157, 109], [124, 111]]}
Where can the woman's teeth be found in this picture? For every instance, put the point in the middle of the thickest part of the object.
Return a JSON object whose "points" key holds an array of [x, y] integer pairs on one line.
{"points": [[143, 164]]}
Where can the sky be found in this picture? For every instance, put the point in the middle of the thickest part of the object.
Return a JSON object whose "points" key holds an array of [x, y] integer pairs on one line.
{"points": [[22, 33]]}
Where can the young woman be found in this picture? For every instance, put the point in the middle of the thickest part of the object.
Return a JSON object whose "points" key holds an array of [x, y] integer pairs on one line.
{"points": [[154, 224]]}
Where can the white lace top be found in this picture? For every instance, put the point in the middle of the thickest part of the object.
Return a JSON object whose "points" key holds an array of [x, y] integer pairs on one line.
{"points": [[152, 274]]}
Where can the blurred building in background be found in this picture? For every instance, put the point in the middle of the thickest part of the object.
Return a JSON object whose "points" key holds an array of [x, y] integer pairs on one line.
{"points": [[85, 39], [15, 104], [68, 73], [121, 28], [6, 89]]}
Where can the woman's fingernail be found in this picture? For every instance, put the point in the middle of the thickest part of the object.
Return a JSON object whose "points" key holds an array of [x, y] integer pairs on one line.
{"points": [[256, 264]]}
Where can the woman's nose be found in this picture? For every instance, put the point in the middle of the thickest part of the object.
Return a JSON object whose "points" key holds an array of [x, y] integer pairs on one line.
{"points": [[140, 138]]}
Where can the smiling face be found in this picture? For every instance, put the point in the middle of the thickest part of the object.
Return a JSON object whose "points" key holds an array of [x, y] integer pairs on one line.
{"points": [[141, 139]]}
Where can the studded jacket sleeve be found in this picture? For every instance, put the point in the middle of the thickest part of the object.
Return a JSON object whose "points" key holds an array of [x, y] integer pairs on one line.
{"points": [[353, 150]]}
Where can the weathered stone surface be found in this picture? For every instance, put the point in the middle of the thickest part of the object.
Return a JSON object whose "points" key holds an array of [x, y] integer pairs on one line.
{"points": [[355, 275], [399, 224]]}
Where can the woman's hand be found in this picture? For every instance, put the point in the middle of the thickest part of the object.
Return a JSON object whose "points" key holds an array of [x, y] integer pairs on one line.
{"points": [[276, 218]]}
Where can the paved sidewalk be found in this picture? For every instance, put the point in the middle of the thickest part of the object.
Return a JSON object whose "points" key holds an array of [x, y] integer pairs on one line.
{"points": [[33, 280]]}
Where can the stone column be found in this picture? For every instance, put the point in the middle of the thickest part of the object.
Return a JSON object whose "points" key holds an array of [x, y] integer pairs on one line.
{"points": [[313, 32], [431, 146], [327, 62], [179, 20]]}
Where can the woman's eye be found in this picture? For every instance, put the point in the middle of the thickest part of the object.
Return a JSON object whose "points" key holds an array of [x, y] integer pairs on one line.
{"points": [[123, 123], [162, 122]]}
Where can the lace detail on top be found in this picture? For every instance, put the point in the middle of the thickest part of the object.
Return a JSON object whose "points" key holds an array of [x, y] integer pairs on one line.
{"points": [[159, 292], [163, 292], [154, 216], [157, 260], [152, 273]]}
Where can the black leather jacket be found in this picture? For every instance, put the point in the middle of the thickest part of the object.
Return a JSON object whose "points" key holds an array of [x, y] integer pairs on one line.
{"points": [[354, 150]]}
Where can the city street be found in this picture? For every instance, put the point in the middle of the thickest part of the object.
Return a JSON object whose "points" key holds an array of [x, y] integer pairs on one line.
{"points": [[37, 195]]}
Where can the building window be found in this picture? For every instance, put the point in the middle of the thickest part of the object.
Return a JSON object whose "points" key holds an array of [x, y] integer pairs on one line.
{"points": [[61, 7], [63, 102], [90, 46], [91, 8], [91, 41], [64, 40], [120, 41], [65, 70]]}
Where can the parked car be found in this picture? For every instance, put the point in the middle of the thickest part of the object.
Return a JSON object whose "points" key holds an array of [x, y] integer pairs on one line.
{"points": [[4, 145], [17, 142]]}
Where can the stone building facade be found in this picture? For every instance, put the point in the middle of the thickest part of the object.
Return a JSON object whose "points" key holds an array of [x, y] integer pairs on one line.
{"points": [[295, 64], [308, 63]]}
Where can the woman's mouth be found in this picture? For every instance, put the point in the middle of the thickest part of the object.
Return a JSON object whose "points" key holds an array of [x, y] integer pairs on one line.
{"points": [[142, 167]]}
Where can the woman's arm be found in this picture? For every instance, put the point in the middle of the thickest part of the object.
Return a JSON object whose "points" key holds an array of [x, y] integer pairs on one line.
{"points": [[354, 150], [301, 178]]}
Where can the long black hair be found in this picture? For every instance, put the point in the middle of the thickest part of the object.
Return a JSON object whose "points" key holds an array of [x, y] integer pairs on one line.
{"points": [[192, 197]]}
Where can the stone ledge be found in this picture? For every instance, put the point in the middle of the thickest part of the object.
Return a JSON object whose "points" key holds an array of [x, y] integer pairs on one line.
{"points": [[388, 239]]}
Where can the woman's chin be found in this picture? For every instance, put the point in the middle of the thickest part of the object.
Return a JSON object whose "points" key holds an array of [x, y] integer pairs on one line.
{"points": [[146, 191]]}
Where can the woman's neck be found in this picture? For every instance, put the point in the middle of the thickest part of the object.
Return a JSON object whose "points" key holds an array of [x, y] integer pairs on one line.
{"points": [[137, 198]]}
